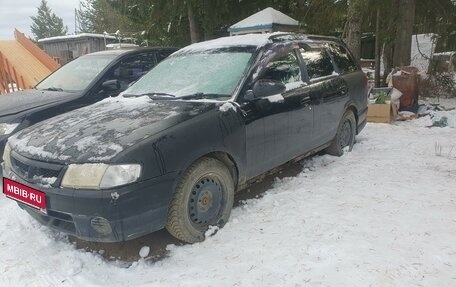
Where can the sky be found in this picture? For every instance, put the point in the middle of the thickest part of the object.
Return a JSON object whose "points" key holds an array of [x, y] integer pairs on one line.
{"points": [[16, 14]]}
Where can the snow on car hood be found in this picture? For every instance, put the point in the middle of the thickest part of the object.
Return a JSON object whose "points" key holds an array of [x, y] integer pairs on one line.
{"points": [[14, 103], [101, 131]]}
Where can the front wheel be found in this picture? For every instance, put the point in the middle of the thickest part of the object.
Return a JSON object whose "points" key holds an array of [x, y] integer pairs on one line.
{"points": [[203, 197], [345, 136]]}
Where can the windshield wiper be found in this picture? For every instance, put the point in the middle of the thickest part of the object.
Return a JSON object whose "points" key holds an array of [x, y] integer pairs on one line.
{"points": [[151, 95], [203, 96], [54, 89], [186, 97]]}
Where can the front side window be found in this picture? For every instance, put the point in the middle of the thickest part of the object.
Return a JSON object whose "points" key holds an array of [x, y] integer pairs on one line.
{"points": [[206, 73], [77, 75], [318, 63], [285, 69]]}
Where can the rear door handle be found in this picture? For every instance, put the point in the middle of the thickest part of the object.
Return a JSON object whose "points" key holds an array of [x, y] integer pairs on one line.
{"points": [[343, 91]]}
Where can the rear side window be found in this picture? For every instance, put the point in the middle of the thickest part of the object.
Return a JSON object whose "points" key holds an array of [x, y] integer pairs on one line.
{"points": [[136, 66], [342, 59], [161, 55], [131, 69], [318, 63]]}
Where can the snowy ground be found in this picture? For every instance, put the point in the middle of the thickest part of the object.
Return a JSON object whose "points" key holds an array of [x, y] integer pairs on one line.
{"points": [[382, 215]]}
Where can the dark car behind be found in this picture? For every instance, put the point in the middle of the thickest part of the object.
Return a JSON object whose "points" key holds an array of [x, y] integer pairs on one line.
{"points": [[84, 81]]}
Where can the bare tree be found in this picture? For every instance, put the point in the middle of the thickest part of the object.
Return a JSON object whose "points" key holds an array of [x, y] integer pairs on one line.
{"points": [[195, 31]]}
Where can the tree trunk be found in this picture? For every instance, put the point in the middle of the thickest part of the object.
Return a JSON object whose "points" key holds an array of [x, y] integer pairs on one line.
{"points": [[404, 30], [377, 49], [389, 33], [301, 4], [387, 61], [354, 21], [195, 32]]}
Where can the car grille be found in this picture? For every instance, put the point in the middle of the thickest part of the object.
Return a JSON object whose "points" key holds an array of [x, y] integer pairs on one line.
{"points": [[35, 171]]}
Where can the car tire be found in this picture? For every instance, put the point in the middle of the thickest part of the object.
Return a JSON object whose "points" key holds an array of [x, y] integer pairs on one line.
{"points": [[203, 197], [345, 135]]}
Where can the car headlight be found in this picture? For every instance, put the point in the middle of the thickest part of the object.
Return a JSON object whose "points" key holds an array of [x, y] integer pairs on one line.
{"points": [[6, 129], [7, 156], [100, 175]]}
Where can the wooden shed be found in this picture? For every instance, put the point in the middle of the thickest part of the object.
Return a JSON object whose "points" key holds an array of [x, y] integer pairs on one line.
{"points": [[67, 48]]}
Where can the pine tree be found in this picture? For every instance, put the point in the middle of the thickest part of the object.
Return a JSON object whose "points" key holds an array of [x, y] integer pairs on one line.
{"points": [[98, 16], [86, 15], [46, 23]]}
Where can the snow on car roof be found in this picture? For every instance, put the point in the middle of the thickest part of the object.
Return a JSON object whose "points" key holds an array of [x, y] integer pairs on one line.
{"points": [[242, 40], [124, 50]]}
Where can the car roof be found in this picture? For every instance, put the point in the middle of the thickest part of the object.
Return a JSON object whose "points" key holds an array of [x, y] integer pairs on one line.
{"points": [[132, 50], [257, 40]]}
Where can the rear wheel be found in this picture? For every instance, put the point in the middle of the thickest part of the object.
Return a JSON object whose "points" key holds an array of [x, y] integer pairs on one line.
{"points": [[204, 197], [345, 136]]}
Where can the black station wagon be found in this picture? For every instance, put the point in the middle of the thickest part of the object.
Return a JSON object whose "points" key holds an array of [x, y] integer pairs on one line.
{"points": [[172, 150]]}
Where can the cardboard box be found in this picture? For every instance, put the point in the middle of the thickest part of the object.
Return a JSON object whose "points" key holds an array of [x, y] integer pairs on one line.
{"points": [[379, 113]]}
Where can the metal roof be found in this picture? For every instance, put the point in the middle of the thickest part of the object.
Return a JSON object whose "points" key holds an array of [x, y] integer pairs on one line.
{"points": [[264, 19], [75, 37]]}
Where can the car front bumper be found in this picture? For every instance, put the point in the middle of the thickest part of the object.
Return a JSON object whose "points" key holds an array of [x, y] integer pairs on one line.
{"points": [[113, 215], [3, 140]]}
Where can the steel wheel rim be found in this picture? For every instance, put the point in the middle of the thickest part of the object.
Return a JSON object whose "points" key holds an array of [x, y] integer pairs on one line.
{"points": [[205, 204], [345, 136]]}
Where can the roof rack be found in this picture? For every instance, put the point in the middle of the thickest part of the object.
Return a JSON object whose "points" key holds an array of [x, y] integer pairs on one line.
{"points": [[277, 35], [324, 38], [303, 37]]}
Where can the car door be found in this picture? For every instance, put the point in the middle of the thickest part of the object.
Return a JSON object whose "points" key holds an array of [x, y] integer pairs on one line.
{"points": [[275, 125], [331, 89], [351, 73]]}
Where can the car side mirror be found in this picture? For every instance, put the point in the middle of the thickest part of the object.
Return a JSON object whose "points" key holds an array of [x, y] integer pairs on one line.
{"points": [[266, 88], [110, 85]]}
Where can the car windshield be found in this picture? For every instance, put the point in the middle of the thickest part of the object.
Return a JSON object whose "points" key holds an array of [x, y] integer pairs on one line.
{"points": [[208, 75], [77, 74]]}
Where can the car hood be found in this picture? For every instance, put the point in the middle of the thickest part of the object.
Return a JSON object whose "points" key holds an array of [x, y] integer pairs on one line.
{"points": [[21, 101], [99, 132]]}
